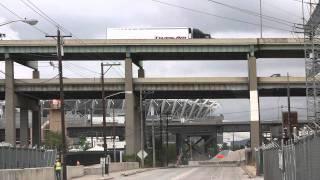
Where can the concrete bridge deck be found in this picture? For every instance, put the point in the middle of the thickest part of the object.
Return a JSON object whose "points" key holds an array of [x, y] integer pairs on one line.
{"points": [[202, 87], [155, 49], [186, 128]]}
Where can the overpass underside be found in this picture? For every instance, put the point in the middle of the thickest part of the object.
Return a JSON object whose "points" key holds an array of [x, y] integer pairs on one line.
{"points": [[170, 94], [134, 51]]}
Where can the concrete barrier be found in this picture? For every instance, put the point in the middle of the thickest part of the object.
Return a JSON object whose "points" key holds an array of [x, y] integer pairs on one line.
{"points": [[75, 171], [114, 167], [46, 173]]}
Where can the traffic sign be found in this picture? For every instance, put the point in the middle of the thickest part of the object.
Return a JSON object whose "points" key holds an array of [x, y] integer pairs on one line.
{"points": [[139, 154]]}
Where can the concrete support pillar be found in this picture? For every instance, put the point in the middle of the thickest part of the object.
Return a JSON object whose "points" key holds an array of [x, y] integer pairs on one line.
{"points": [[210, 142], [179, 143], [35, 74], [54, 117], [10, 107], [254, 103], [24, 128], [132, 122], [140, 73], [36, 128]]}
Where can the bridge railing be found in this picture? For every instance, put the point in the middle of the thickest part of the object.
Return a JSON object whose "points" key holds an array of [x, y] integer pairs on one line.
{"points": [[15, 158]]}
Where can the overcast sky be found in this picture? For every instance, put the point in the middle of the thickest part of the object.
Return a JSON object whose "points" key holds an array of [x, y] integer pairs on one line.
{"points": [[89, 19]]}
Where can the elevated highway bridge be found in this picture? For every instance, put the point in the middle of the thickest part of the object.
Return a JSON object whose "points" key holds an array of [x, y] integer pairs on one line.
{"points": [[162, 88], [25, 94], [154, 49], [188, 129]]}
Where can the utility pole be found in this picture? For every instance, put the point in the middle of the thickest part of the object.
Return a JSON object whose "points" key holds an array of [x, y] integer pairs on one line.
{"points": [[91, 114], [160, 148], [141, 130], [114, 134], [104, 121], [233, 140], [153, 146], [289, 107], [105, 148], [153, 136], [59, 56], [167, 153]]}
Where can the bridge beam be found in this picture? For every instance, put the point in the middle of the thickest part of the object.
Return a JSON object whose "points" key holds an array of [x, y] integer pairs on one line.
{"points": [[141, 73], [35, 74], [254, 103], [10, 106], [132, 121]]}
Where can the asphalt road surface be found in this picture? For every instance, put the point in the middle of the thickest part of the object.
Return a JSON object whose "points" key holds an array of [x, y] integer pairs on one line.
{"points": [[194, 173]]}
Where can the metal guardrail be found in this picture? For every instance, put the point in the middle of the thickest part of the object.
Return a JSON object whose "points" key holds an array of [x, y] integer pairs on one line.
{"points": [[297, 159], [13, 158]]}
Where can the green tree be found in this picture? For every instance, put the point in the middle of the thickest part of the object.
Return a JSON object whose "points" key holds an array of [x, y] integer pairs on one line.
{"points": [[225, 146], [53, 139], [83, 143]]}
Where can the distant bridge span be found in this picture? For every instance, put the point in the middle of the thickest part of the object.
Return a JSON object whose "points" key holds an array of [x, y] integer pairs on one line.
{"points": [[164, 88]]}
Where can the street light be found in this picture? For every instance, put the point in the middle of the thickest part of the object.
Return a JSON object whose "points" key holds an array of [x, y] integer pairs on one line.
{"points": [[105, 124], [31, 22], [104, 112]]}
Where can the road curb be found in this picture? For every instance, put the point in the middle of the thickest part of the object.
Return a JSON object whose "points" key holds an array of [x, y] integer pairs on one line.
{"points": [[105, 178], [136, 172]]}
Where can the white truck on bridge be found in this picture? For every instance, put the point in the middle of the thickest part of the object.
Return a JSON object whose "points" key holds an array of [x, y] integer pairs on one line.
{"points": [[155, 33]]}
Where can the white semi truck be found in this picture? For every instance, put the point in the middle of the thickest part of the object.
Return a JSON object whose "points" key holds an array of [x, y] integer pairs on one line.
{"points": [[155, 33]]}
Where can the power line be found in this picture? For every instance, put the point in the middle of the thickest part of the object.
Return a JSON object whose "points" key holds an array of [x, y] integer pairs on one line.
{"points": [[282, 10], [305, 2], [12, 12], [41, 82], [19, 17], [253, 13], [40, 12], [37, 10], [85, 68], [217, 16]]}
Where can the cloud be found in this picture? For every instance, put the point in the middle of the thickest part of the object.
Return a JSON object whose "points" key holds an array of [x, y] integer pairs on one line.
{"points": [[89, 19], [7, 30]]}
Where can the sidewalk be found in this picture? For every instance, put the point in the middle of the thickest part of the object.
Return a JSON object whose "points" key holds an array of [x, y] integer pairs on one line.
{"points": [[113, 175]]}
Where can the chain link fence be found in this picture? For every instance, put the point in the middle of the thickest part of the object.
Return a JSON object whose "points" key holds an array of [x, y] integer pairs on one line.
{"points": [[298, 159], [13, 158]]}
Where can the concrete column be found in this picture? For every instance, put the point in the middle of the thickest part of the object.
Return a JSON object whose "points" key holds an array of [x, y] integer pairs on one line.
{"points": [[35, 74], [210, 142], [254, 103], [36, 128], [179, 143], [54, 117], [24, 128], [140, 73], [132, 133], [10, 107]]}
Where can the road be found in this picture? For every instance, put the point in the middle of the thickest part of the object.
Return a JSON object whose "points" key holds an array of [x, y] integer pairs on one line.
{"points": [[195, 173]]}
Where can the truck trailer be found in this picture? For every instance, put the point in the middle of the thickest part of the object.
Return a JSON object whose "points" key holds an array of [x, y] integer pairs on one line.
{"points": [[156, 33]]}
